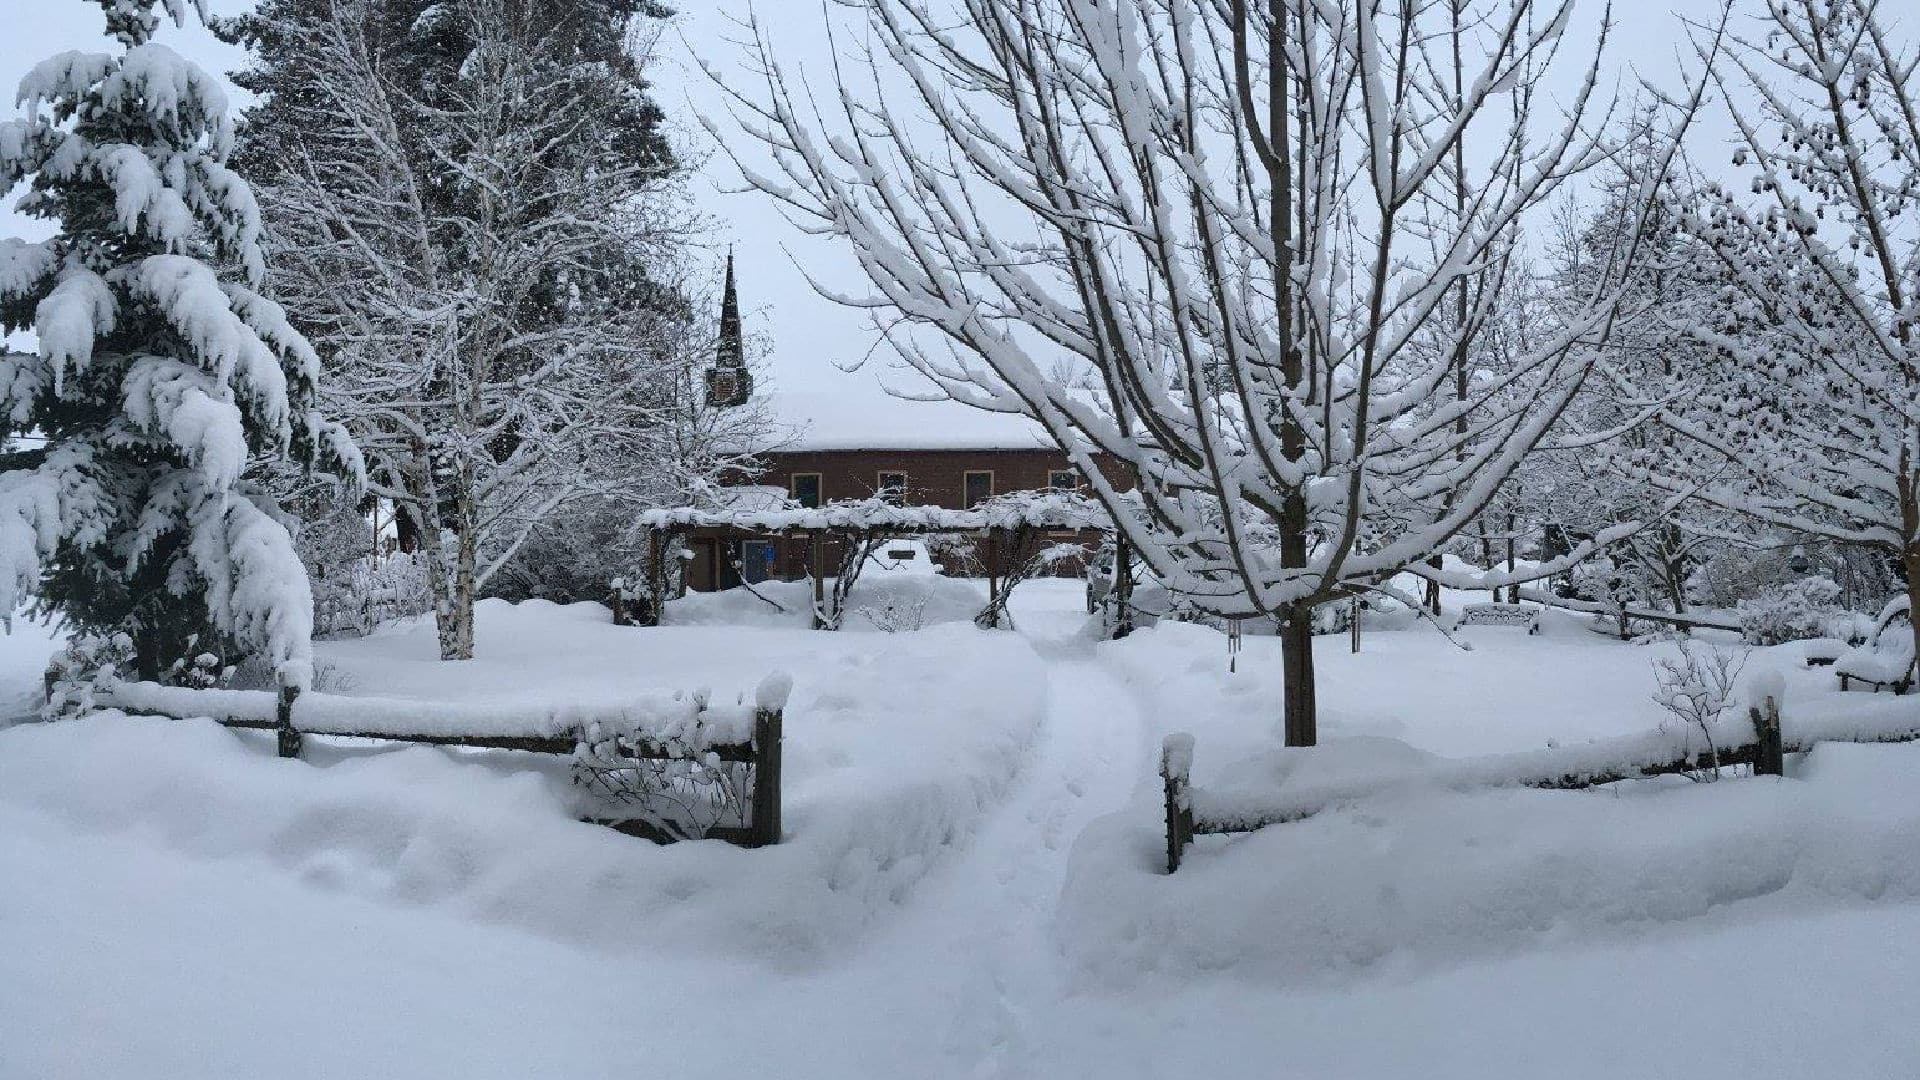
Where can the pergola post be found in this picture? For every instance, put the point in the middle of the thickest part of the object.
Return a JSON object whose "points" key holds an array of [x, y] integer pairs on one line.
{"points": [[993, 565], [816, 565]]}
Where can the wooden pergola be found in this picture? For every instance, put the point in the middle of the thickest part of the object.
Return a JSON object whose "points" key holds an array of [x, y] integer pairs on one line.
{"points": [[1008, 524]]}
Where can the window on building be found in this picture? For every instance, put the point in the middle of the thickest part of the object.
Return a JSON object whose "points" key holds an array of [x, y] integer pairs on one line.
{"points": [[890, 485], [1063, 480], [805, 489], [978, 488]]}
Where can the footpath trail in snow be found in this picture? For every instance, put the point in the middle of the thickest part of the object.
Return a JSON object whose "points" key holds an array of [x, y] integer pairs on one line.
{"points": [[981, 929]]}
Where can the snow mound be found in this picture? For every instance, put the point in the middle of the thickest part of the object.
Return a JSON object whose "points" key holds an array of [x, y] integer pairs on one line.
{"points": [[892, 754], [1437, 876], [924, 599]]}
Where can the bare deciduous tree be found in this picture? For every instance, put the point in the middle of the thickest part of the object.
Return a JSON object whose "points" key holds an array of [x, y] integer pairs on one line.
{"points": [[1808, 418], [481, 267], [1226, 242]]}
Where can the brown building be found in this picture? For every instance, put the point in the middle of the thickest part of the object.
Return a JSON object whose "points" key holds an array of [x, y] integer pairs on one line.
{"points": [[918, 453]]}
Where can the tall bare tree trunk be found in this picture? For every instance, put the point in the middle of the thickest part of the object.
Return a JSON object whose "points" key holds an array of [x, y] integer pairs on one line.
{"points": [[1513, 591], [1909, 484], [1296, 677]]}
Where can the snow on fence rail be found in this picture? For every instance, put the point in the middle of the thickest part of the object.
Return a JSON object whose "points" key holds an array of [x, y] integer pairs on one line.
{"points": [[668, 766], [1757, 741], [1625, 616]]}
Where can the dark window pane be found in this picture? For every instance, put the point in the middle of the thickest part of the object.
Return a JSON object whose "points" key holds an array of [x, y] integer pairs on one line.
{"points": [[979, 489], [806, 489], [891, 485]]}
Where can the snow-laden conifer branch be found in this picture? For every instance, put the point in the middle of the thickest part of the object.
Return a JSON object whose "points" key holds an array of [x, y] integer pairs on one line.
{"points": [[161, 377]]}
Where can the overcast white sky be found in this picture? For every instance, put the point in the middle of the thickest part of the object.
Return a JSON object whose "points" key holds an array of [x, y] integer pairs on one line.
{"points": [[808, 336]]}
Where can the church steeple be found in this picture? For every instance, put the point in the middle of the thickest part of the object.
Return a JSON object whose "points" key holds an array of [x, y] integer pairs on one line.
{"points": [[729, 383]]}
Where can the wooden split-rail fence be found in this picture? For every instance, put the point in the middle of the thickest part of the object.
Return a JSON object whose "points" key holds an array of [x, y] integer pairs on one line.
{"points": [[754, 746], [1191, 812]]}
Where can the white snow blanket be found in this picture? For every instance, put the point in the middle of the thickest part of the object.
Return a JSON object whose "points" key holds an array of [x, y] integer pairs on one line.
{"points": [[895, 745], [878, 599], [1419, 877], [1888, 662]]}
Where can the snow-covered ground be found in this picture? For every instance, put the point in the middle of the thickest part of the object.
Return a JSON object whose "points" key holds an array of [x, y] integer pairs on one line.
{"points": [[969, 885]]}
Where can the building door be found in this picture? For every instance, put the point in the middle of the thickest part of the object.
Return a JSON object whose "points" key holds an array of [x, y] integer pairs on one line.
{"points": [[756, 560], [725, 575]]}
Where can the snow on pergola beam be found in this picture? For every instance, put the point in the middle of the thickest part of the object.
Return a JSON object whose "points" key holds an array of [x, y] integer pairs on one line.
{"points": [[1051, 510]]}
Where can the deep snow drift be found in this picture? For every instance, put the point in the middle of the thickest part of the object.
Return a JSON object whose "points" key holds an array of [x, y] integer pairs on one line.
{"points": [[897, 745]]}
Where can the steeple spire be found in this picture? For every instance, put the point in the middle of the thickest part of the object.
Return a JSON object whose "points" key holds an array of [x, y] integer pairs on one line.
{"points": [[729, 383], [730, 353]]}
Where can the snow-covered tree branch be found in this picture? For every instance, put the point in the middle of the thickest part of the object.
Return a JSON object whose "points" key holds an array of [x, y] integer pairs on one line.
{"points": [[1803, 414], [472, 204], [1224, 241]]}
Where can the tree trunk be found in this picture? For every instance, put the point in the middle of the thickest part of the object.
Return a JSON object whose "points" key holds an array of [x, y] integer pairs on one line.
{"points": [[146, 652], [456, 631], [451, 580], [465, 590], [1513, 591], [1122, 597], [1912, 561], [1675, 577], [1910, 529], [1296, 676], [1486, 558]]}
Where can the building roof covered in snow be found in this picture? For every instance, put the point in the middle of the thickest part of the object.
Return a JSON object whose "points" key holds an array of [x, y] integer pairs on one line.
{"points": [[858, 415]]}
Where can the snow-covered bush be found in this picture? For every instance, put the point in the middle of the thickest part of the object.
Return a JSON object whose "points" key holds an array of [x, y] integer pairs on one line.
{"points": [[896, 613], [1793, 611], [1697, 685], [92, 663], [355, 597], [1740, 573], [77, 673], [1603, 581]]}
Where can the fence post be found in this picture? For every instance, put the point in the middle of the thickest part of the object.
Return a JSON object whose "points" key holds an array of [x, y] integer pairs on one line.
{"points": [[288, 736], [1176, 765], [1769, 759], [769, 712], [764, 828]]}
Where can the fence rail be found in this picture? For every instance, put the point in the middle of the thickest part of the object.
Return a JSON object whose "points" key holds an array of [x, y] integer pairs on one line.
{"points": [[1625, 616], [1758, 741], [681, 729]]}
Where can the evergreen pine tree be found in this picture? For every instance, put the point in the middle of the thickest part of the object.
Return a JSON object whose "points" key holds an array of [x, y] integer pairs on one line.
{"points": [[161, 372]]}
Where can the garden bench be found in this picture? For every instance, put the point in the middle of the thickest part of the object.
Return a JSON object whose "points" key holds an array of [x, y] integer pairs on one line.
{"points": [[1882, 663], [1499, 615], [1877, 669]]}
